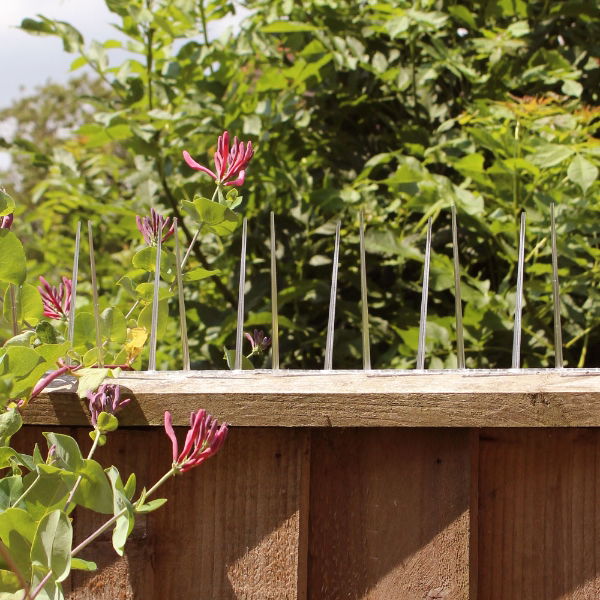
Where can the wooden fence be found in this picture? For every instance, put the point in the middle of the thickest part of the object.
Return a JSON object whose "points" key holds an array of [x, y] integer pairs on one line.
{"points": [[348, 485]]}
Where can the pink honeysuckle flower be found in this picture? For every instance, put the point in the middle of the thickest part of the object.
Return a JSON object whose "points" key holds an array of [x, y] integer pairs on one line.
{"points": [[6, 222], [150, 227], [229, 162], [107, 399], [56, 300], [204, 439], [258, 342]]}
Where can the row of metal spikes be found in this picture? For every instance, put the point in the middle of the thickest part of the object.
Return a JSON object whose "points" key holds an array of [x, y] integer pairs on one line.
{"points": [[460, 347]]}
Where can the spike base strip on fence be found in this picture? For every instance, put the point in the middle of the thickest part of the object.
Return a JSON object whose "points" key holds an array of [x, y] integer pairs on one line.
{"points": [[524, 398]]}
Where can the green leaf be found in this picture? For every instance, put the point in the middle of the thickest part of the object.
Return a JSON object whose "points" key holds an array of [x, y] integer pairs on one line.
{"points": [[11, 489], [145, 291], [125, 522], [6, 455], [94, 491], [52, 543], [151, 506], [50, 491], [582, 172], [145, 318], [129, 488], [7, 204], [9, 584], [84, 336], [572, 88], [214, 216], [45, 333], [90, 379], [10, 422], [264, 318], [230, 358], [550, 155], [67, 454], [20, 361], [113, 326], [23, 339], [287, 27], [96, 434], [107, 422], [52, 352], [17, 530], [83, 565], [13, 268], [199, 273], [146, 259]]}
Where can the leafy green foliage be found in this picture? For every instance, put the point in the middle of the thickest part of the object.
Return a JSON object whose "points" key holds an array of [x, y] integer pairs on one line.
{"points": [[397, 108]]}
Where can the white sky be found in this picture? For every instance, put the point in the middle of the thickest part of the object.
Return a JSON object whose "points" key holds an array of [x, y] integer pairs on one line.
{"points": [[28, 60]]}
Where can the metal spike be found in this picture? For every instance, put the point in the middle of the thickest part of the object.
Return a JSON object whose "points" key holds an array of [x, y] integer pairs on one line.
{"points": [[155, 302], [274, 308], [240, 313], [363, 297], [556, 295], [185, 349], [516, 353], [460, 343], [95, 295], [424, 294], [71, 327], [332, 297]]}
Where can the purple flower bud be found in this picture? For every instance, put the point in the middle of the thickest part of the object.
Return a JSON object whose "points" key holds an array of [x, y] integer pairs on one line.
{"points": [[107, 399], [153, 226], [6, 222], [258, 342]]}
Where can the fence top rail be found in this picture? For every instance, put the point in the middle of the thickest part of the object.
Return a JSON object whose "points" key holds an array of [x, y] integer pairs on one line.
{"points": [[457, 398]]}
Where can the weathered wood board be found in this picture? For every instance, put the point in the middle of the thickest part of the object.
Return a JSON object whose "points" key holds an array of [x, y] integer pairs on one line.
{"points": [[346, 399]]}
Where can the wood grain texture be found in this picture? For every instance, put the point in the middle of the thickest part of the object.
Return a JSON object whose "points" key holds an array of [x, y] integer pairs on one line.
{"points": [[234, 528], [539, 514], [345, 399], [389, 514]]}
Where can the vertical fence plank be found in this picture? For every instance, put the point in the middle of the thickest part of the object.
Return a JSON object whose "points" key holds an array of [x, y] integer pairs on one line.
{"points": [[389, 514], [132, 576], [232, 528], [539, 514]]}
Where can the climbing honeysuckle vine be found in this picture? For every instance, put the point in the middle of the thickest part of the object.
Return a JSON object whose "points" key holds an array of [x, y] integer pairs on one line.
{"points": [[55, 333]]}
